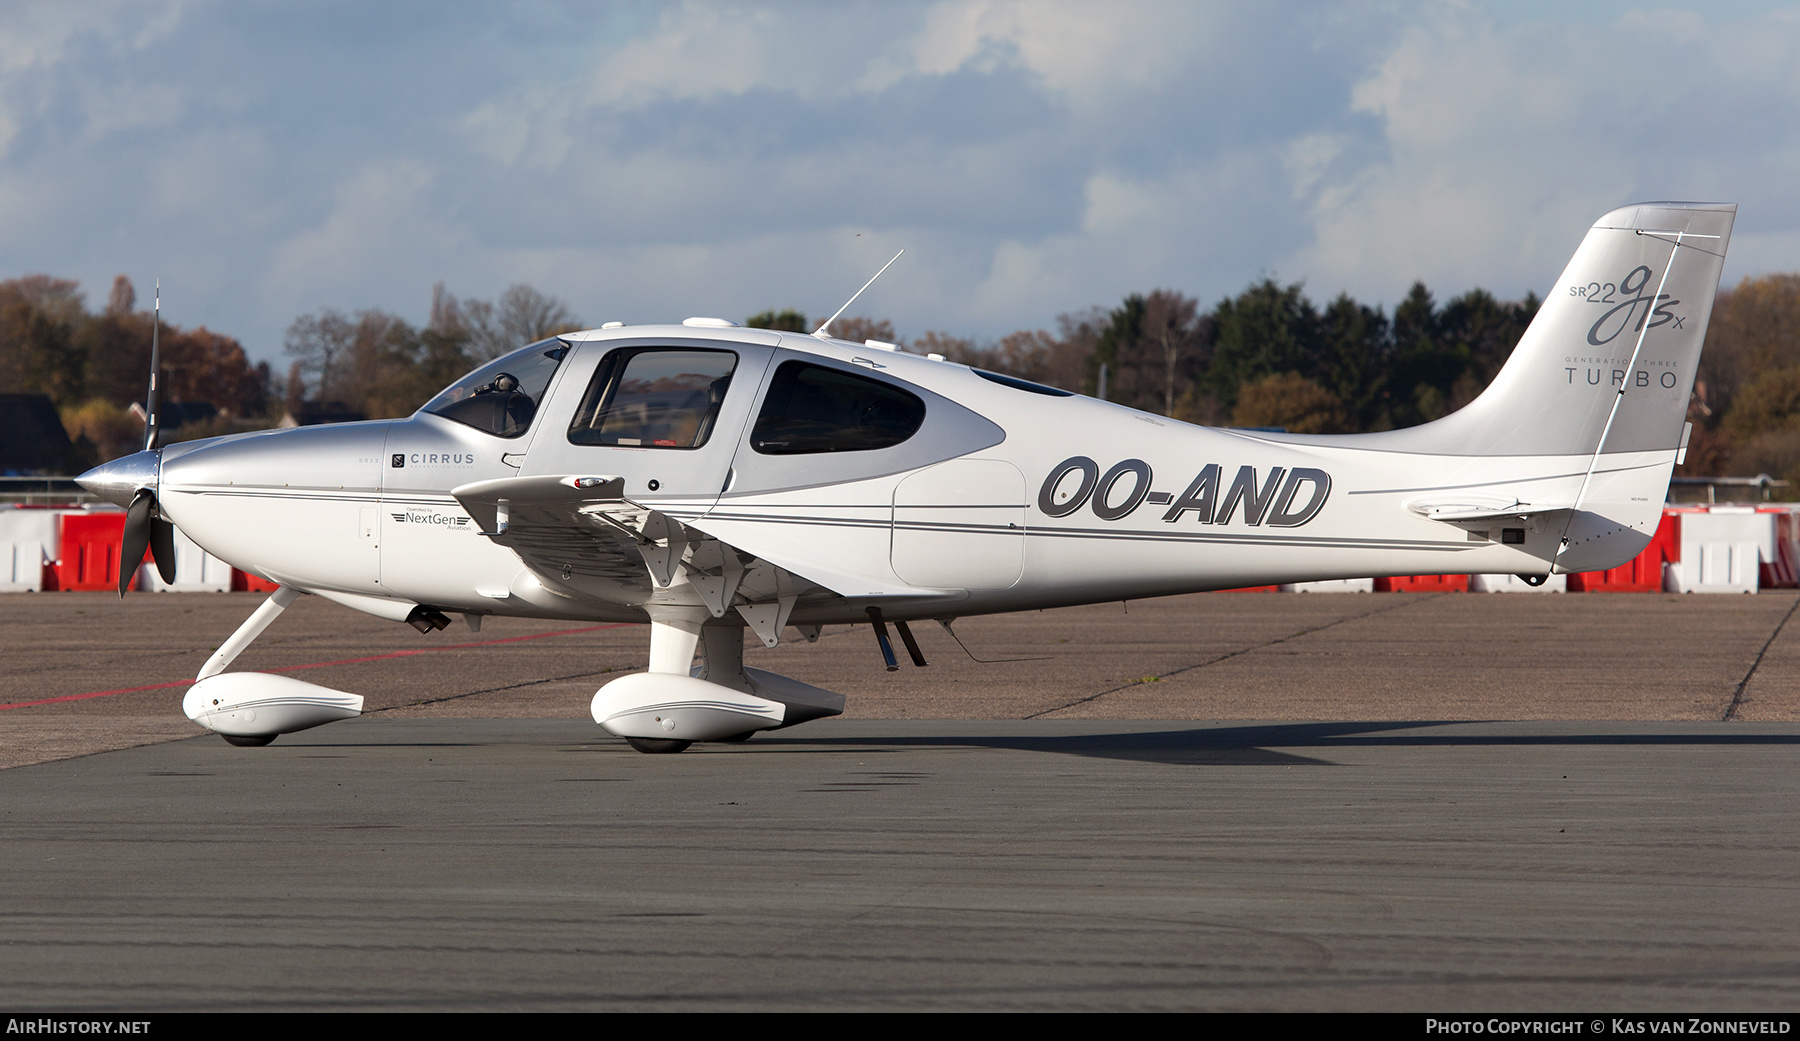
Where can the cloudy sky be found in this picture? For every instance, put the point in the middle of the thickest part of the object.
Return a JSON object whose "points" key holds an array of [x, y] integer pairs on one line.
{"points": [[646, 162]]}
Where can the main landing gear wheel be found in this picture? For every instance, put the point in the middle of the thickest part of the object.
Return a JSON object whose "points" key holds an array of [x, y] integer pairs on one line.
{"points": [[248, 742], [657, 745]]}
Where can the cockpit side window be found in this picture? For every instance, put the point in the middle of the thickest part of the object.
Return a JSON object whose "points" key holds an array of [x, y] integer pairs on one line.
{"points": [[654, 397], [502, 397], [811, 408]]}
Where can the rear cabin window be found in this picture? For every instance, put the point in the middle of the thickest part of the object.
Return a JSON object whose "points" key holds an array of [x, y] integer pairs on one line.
{"points": [[811, 409], [654, 398]]}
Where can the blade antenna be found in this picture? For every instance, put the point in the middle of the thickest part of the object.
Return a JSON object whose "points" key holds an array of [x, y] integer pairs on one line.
{"points": [[820, 331], [150, 425]]}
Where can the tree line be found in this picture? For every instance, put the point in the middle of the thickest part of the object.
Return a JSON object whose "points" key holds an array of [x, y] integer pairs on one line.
{"points": [[1268, 356], [95, 366]]}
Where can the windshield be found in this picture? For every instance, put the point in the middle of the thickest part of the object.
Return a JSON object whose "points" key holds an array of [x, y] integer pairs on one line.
{"points": [[502, 397]]}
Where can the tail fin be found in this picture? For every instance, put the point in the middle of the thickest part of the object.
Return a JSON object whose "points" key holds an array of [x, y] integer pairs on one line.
{"points": [[1613, 350], [1602, 377]]}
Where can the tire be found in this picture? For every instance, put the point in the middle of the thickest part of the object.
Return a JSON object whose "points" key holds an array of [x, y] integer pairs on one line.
{"points": [[248, 742], [658, 745]]}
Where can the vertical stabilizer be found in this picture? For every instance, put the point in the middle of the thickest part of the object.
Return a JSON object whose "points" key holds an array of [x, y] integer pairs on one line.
{"points": [[1628, 315], [1598, 387]]}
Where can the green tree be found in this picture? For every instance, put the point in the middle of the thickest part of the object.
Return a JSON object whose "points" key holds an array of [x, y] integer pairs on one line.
{"points": [[788, 320], [1351, 352], [1420, 370], [1483, 331], [1266, 330]]}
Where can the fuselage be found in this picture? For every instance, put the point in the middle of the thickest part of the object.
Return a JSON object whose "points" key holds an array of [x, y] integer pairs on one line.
{"points": [[1005, 497]]}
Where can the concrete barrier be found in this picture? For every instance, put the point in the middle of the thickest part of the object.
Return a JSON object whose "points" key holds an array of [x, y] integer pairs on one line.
{"points": [[196, 571], [1722, 550], [21, 566], [28, 537]]}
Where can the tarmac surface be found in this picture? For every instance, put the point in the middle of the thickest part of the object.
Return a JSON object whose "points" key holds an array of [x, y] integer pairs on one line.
{"points": [[1226, 801]]}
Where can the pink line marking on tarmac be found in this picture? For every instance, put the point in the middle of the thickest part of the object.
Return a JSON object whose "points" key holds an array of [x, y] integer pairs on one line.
{"points": [[321, 664]]}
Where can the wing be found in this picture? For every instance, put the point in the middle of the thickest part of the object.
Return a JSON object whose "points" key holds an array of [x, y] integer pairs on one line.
{"points": [[583, 539]]}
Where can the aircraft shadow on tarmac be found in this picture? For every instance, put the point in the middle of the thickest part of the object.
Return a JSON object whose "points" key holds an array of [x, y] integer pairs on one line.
{"points": [[1261, 744]]}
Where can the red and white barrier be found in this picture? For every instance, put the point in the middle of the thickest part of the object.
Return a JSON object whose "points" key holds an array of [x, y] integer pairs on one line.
{"points": [[1334, 585], [51, 548], [1696, 549], [1515, 584]]}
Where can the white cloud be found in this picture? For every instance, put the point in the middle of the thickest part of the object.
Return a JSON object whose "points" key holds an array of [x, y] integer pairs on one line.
{"points": [[1034, 157], [698, 51], [1503, 143], [37, 36], [377, 221], [1090, 53]]}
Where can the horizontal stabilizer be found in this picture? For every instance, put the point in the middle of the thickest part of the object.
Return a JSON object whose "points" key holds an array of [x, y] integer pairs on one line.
{"points": [[1474, 511]]}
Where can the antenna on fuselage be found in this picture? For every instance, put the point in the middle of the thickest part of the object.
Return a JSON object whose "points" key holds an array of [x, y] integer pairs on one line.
{"points": [[150, 424], [820, 331]]}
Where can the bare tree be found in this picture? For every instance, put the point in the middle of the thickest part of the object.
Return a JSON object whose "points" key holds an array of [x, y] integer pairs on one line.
{"points": [[857, 329], [1170, 323], [122, 298], [521, 316], [955, 348], [524, 315], [321, 342]]}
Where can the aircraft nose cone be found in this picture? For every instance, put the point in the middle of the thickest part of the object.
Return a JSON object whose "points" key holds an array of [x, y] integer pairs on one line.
{"points": [[118, 481]]}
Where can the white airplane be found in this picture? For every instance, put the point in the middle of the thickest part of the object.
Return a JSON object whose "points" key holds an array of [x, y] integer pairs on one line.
{"points": [[707, 479]]}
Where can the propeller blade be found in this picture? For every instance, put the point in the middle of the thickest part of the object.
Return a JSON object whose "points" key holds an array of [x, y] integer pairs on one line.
{"points": [[162, 545], [136, 537]]}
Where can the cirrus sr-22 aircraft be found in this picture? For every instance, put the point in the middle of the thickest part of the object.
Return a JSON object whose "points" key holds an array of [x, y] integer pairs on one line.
{"points": [[706, 479]]}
